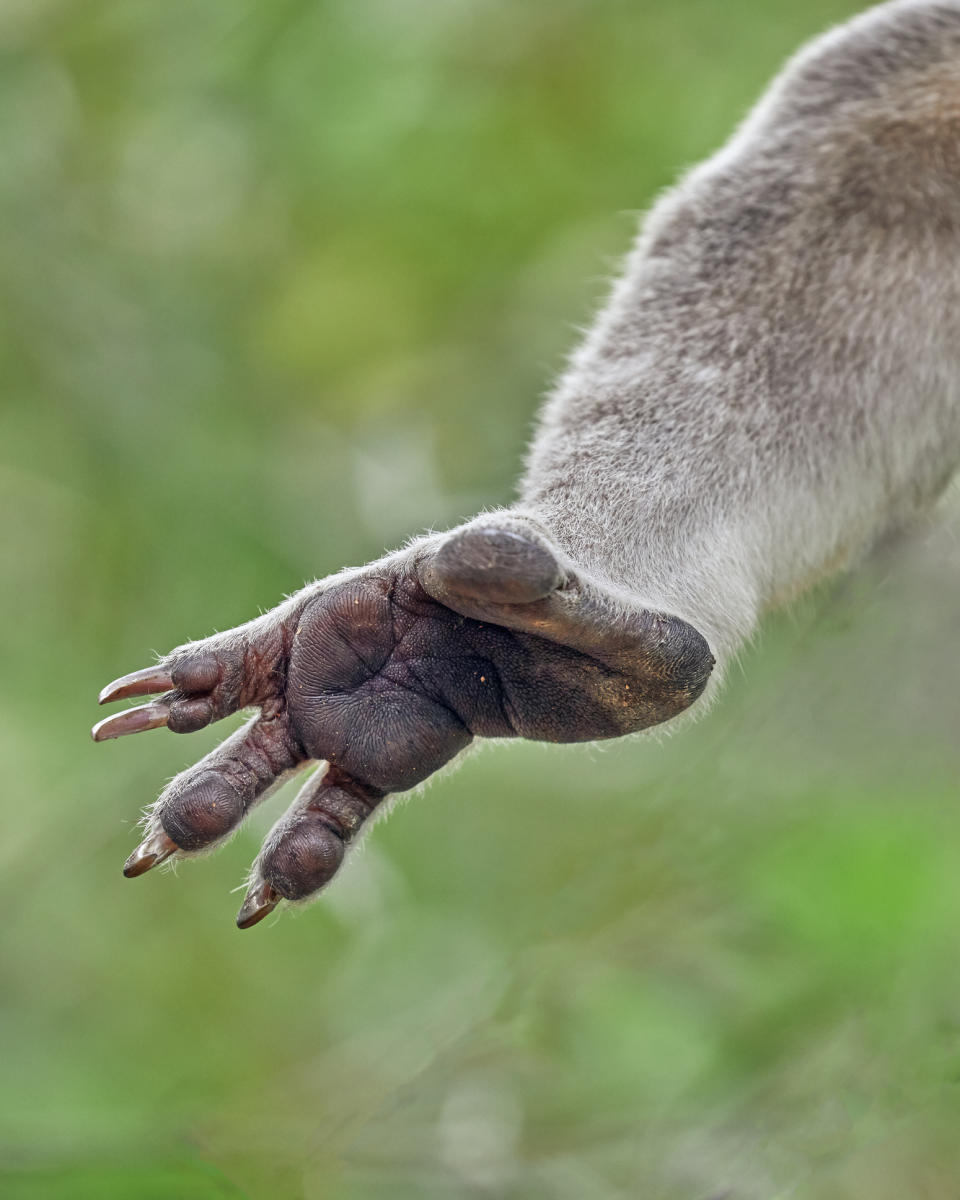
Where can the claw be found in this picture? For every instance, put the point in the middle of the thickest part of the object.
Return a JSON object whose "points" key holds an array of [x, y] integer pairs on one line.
{"points": [[134, 720], [137, 683], [260, 901], [150, 853]]}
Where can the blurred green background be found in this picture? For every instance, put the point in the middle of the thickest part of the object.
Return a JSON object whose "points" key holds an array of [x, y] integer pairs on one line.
{"points": [[281, 285]]}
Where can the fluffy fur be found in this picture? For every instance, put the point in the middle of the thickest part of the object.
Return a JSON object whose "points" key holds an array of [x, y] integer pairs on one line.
{"points": [[775, 381]]}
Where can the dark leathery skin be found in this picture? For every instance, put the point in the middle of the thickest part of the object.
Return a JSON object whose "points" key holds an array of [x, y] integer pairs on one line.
{"points": [[388, 684], [389, 673]]}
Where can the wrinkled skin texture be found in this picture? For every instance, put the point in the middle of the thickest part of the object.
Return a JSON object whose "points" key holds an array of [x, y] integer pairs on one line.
{"points": [[386, 675]]}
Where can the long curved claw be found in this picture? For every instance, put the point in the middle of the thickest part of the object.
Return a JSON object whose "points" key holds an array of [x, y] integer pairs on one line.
{"points": [[137, 683], [150, 853], [134, 720], [260, 901]]}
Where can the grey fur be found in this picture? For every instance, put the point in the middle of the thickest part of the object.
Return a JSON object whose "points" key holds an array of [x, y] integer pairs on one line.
{"points": [[775, 381]]}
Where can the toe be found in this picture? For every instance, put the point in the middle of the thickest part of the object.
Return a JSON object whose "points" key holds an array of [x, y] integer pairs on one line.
{"points": [[205, 803], [306, 847], [491, 564], [203, 812], [304, 859]]}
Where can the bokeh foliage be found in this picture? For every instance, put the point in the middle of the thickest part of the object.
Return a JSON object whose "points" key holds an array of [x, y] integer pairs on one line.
{"points": [[281, 284]]}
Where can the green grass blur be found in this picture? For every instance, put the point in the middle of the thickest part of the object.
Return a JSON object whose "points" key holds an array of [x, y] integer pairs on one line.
{"points": [[281, 284]]}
